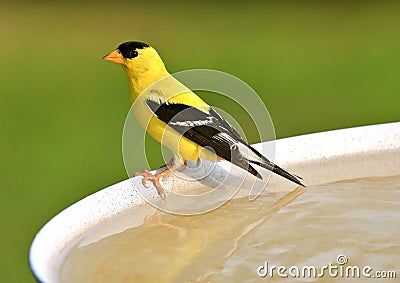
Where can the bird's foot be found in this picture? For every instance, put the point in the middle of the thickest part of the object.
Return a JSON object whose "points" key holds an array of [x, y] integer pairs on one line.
{"points": [[155, 179]]}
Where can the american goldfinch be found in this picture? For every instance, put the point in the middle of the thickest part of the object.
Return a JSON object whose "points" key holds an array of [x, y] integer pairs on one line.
{"points": [[175, 116]]}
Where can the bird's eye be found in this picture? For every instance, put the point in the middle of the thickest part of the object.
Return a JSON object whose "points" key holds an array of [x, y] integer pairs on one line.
{"points": [[133, 54]]}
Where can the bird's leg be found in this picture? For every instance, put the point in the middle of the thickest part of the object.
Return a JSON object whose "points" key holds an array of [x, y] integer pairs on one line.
{"points": [[155, 179], [184, 166], [170, 164]]}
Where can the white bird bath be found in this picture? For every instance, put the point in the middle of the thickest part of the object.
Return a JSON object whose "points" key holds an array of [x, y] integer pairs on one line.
{"points": [[320, 158]]}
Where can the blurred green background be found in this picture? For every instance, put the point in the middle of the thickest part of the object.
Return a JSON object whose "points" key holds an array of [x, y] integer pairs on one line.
{"points": [[317, 66]]}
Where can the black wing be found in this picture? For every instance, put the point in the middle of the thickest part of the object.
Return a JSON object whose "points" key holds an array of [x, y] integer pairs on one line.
{"points": [[211, 130], [205, 129]]}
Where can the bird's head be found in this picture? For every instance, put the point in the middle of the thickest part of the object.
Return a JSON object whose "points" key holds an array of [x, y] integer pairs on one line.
{"points": [[141, 63]]}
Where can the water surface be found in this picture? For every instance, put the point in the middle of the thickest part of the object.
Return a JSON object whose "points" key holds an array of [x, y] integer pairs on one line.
{"points": [[358, 220]]}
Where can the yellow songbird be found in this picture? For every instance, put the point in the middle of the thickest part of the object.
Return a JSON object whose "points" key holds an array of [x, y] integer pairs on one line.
{"points": [[175, 116]]}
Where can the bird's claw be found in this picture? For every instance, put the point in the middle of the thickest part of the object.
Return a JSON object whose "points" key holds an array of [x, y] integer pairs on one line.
{"points": [[147, 176]]}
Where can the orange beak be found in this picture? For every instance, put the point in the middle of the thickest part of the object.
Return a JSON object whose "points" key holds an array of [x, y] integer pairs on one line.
{"points": [[115, 56]]}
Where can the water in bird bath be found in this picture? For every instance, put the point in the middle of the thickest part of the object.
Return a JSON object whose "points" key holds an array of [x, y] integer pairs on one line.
{"points": [[329, 229]]}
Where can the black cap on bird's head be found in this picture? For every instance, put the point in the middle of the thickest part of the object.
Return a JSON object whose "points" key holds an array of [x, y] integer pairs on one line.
{"points": [[126, 50]]}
